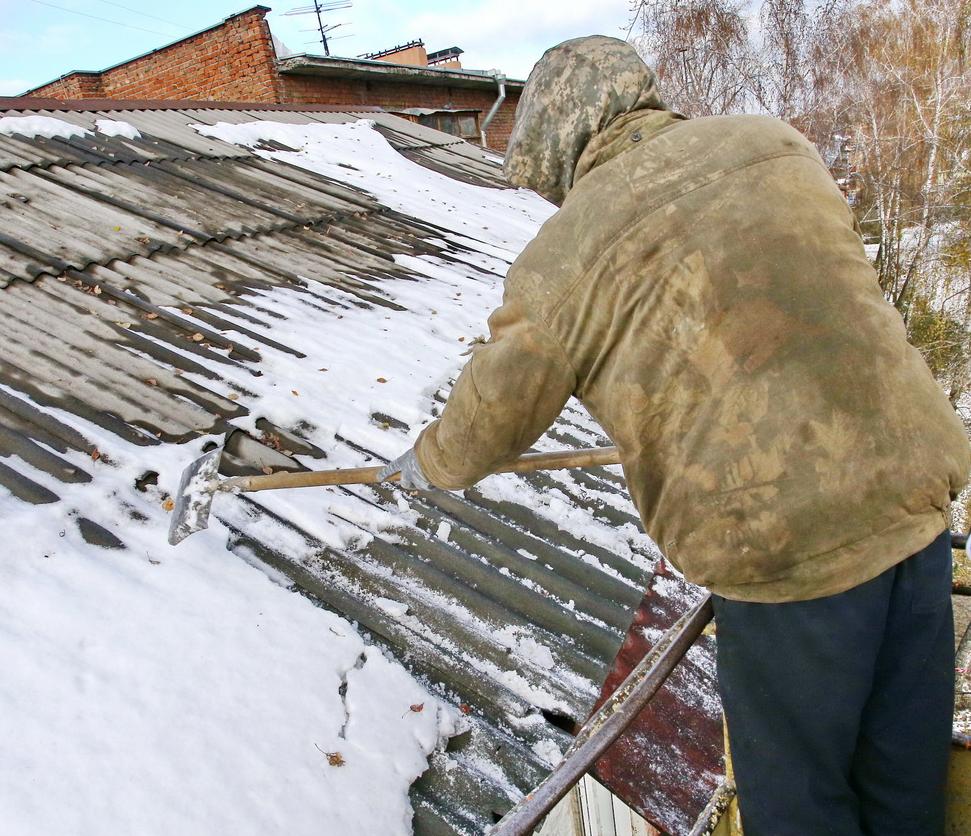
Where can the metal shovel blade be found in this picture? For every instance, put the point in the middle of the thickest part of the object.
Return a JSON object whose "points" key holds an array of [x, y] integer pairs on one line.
{"points": [[194, 497]]}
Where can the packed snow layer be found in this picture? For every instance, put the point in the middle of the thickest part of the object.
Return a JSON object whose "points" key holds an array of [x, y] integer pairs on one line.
{"points": [[159, 690]]}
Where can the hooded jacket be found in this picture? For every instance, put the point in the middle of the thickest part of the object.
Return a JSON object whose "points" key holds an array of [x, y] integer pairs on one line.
{"points": [[704, 291]]}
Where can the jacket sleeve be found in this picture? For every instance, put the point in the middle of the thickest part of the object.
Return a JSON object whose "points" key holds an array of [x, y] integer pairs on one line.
{"points": [[507, 395]]}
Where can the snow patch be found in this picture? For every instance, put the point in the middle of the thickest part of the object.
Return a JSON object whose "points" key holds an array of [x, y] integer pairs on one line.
{"points": [[110, 127], [32, 127]]}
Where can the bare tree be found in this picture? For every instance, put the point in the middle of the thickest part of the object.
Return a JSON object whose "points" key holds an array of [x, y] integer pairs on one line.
{"points": [[701, 52], [883, 87]]}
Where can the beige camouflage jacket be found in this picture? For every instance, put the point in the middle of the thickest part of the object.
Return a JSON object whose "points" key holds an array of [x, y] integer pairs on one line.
{"points": [[704, 292]]}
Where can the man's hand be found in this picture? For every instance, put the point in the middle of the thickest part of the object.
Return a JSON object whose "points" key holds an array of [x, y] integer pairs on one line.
{"points": [[411, 476]]}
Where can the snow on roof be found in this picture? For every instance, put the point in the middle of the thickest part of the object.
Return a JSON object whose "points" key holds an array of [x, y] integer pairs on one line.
{"points": [[309, 282]]}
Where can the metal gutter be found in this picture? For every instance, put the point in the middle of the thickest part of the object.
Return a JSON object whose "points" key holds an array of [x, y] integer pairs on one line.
{"points": [[501, 81]]}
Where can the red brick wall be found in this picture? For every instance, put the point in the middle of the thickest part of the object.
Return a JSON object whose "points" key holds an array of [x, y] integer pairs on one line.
{"points": [[308, 89], [235, 62], [232, 62]]}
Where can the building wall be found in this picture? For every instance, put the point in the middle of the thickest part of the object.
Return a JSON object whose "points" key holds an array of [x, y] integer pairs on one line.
{"points": [[415, 56], [307, 89], [233, 62]]}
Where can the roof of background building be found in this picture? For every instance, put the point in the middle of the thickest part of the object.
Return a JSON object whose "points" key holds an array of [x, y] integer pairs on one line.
{"points": [[377, 70], [142, 281]]}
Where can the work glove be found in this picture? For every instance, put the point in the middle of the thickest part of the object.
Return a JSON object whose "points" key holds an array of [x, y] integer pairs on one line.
{"points": [[411, 476]]}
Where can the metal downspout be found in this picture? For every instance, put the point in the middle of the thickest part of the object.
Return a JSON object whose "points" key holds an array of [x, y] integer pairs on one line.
{"points": [[501, 81]]}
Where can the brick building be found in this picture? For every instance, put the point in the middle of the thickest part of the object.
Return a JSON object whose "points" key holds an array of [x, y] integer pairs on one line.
{"points": [[236, 61]]}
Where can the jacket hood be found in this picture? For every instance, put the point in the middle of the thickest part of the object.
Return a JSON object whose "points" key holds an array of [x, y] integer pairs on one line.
{"points": [[575, 91]]}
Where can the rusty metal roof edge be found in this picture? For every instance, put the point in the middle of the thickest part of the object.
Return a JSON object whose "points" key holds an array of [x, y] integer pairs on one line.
{"points": [[88, 105]]}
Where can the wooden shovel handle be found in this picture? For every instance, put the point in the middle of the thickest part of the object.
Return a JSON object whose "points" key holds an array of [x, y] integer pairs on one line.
{"points": [[590, 457]]}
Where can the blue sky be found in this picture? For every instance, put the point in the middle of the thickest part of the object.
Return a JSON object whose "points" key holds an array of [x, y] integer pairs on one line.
{"points": [[43, 39]]}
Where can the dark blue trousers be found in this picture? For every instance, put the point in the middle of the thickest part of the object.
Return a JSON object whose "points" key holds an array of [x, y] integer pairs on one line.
{"points": [[839, 709]]}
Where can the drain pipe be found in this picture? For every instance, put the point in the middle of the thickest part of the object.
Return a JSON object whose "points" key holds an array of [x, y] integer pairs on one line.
{"points": [[501, 81]]}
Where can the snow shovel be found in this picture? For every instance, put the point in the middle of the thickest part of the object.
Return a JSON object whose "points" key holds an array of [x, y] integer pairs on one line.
{"points": [[200, 481]]}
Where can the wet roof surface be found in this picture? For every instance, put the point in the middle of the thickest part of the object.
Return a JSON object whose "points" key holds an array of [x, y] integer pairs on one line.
{"points": [[127, 266]]}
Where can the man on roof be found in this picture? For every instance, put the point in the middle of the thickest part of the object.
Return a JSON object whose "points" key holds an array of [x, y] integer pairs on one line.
{"points": [[704, 291]]}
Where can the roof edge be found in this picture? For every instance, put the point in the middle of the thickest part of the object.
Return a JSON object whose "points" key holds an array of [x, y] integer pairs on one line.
{"points": [[305, 64], [88, 105], [260, 8]]}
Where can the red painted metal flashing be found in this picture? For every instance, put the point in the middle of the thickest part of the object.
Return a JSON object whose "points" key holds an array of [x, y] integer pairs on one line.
{"points": [[668, 762], [88, 105]]}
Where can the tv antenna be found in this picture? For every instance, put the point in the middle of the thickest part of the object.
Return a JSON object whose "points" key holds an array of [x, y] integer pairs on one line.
{"points": [[318, 8]]}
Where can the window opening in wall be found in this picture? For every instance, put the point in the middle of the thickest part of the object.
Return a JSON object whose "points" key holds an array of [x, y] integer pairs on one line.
{"points": [[463, 123]]}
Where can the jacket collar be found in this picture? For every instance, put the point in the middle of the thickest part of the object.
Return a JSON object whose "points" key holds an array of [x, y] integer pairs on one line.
{"points": [[623, 134]]}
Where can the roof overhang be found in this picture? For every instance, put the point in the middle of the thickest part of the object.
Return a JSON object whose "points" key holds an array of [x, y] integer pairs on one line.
{"points": [[318, 65]]}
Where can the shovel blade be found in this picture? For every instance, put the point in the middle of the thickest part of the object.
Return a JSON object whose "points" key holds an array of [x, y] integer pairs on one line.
{"points": [[194, 497]]}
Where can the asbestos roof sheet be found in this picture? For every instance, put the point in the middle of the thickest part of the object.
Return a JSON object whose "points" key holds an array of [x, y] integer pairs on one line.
{"points": [[152, 286]]}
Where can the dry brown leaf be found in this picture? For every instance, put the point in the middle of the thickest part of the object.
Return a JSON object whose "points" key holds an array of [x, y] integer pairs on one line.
{"points": [[382, 380], [335, 758], [295, 392], [95, 454], [151, 315], [233, 396], [465, 708], [418, 707], [151, 381], [197, 337], [168, 505]]}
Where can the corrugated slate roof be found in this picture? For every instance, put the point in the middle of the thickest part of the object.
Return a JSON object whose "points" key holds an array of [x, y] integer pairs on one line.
{"points": [[124, 262]]}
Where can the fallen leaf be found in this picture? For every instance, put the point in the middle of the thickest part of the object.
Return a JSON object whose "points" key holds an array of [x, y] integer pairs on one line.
{"points": [[461, 339], [465, 708], [295, 392], [151, 315], [168, 505], [151, 381], [321, 370], [233, 396], [197, 337], [418, 707], [95, 454], [335, 758], [187, 311], [382, 380], [97, 290]]}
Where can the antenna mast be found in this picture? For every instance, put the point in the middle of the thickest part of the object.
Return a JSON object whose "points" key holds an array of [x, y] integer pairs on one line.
{"points": [[318, 8]]}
